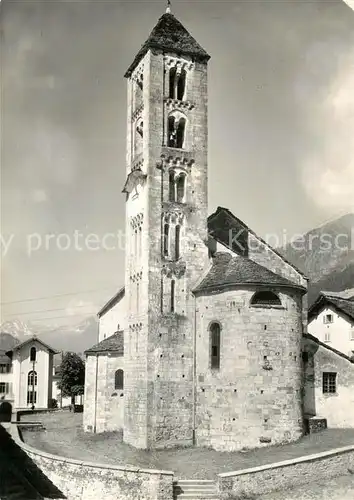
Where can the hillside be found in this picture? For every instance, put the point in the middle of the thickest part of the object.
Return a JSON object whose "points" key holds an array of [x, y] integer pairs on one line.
{"points": [[326, 256]]}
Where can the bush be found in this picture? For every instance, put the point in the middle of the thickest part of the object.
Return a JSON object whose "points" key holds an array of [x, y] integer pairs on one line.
{"points": [[54, 403]]}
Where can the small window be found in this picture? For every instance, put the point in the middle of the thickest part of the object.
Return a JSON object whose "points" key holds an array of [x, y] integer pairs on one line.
{"points": [[327, 336], [33, 354], [181, 180], [5, 368], [119, 380], [173, 285], [177, 245], [180, 133], [328, 318], [176, 131], [352, 333], [171, 186], [215, 346], [32, 378], [181, 85], [166, 233], [172, 83], [329, 383], [172, 133], [265, 298], [3, 387]]}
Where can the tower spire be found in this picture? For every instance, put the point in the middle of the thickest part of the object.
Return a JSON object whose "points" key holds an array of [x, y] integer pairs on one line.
{"points": [[168, 8]]}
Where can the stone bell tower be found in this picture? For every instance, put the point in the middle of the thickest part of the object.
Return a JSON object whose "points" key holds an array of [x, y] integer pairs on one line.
{"points": [[166, 233]]}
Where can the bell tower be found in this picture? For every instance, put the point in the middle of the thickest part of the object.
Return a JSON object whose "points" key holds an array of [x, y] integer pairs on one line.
{"points": [[166, 233]]}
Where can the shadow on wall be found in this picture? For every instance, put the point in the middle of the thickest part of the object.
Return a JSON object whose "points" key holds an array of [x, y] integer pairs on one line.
{"points": [[20, 477], [309, 399]]}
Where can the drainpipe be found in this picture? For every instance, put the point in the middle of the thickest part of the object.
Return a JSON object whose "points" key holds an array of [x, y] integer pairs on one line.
{"points": [[95, 405], [194, 370]]}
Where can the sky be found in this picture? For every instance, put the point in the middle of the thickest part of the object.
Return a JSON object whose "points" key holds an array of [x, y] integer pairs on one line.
{"points": [[281, 128]]}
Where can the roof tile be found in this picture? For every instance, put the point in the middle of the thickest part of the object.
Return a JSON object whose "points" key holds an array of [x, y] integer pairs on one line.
{"points": [[238, 270], [170, 35], [114, 343]]}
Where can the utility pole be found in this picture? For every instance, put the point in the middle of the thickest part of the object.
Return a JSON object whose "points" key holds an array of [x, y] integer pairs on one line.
{"points": [[61, 389]]}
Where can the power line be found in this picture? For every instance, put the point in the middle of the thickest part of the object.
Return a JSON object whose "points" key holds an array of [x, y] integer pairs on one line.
{"points": [[54, 296], [56, 317], [44, 310]]}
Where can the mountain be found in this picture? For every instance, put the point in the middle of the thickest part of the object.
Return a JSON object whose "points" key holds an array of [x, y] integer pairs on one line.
{"points": [[76, 338], [326, 256]]}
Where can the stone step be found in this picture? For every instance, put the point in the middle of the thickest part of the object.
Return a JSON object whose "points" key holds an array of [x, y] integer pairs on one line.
{"points": [[195, 489]]}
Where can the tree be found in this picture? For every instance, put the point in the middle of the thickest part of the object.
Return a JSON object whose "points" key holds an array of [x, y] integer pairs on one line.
{"points": [[72, 376]]}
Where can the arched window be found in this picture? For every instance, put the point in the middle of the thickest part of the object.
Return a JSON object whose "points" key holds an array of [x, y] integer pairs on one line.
{"points": [[166, 231], [119, 380], [181, 181], [180, 133], [172, 82], [172, 133], [176, 130], [171, 186], [32, 378], [177, 242], [215, 346], [181, 85], [265, 298], [33, 354], [173, 284]]}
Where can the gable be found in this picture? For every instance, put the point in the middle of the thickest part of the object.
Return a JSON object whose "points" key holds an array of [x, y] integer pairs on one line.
{"points": [[343, 307], [112, 302], [234, 234]]}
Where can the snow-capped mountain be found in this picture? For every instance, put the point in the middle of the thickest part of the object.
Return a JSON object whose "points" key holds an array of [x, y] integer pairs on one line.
{"points": [[74, 337]]}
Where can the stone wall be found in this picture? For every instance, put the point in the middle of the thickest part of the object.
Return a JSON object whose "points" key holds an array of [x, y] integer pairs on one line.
{"points": [[338, 407], [254, 399], [265, 256], [287, 474], [103, 404], [90, 481]]}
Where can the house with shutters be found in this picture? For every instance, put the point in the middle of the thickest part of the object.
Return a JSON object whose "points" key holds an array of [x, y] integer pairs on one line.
{"points": [[331, 320]]}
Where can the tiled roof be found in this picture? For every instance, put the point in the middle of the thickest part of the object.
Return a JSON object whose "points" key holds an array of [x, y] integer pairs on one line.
{"points": [[170, 35], [222, 224], [238, 270], [114, 343], [112, 302], [34, 339], [346, 294], [328, 347], [344, 306]]}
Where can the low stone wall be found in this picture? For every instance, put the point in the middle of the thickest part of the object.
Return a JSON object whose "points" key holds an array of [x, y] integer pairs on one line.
{"points": [[287, 474], [90, 481]]}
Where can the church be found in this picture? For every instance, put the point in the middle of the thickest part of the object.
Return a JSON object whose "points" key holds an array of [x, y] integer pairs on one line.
{"points": [[204, 343]]}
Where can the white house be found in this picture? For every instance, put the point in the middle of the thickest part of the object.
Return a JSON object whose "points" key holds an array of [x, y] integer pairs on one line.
{"points": [[26, 372], [331, 321]]}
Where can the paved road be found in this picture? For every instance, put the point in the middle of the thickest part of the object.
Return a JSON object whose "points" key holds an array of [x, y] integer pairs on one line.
{"points": [[340, 488]]}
